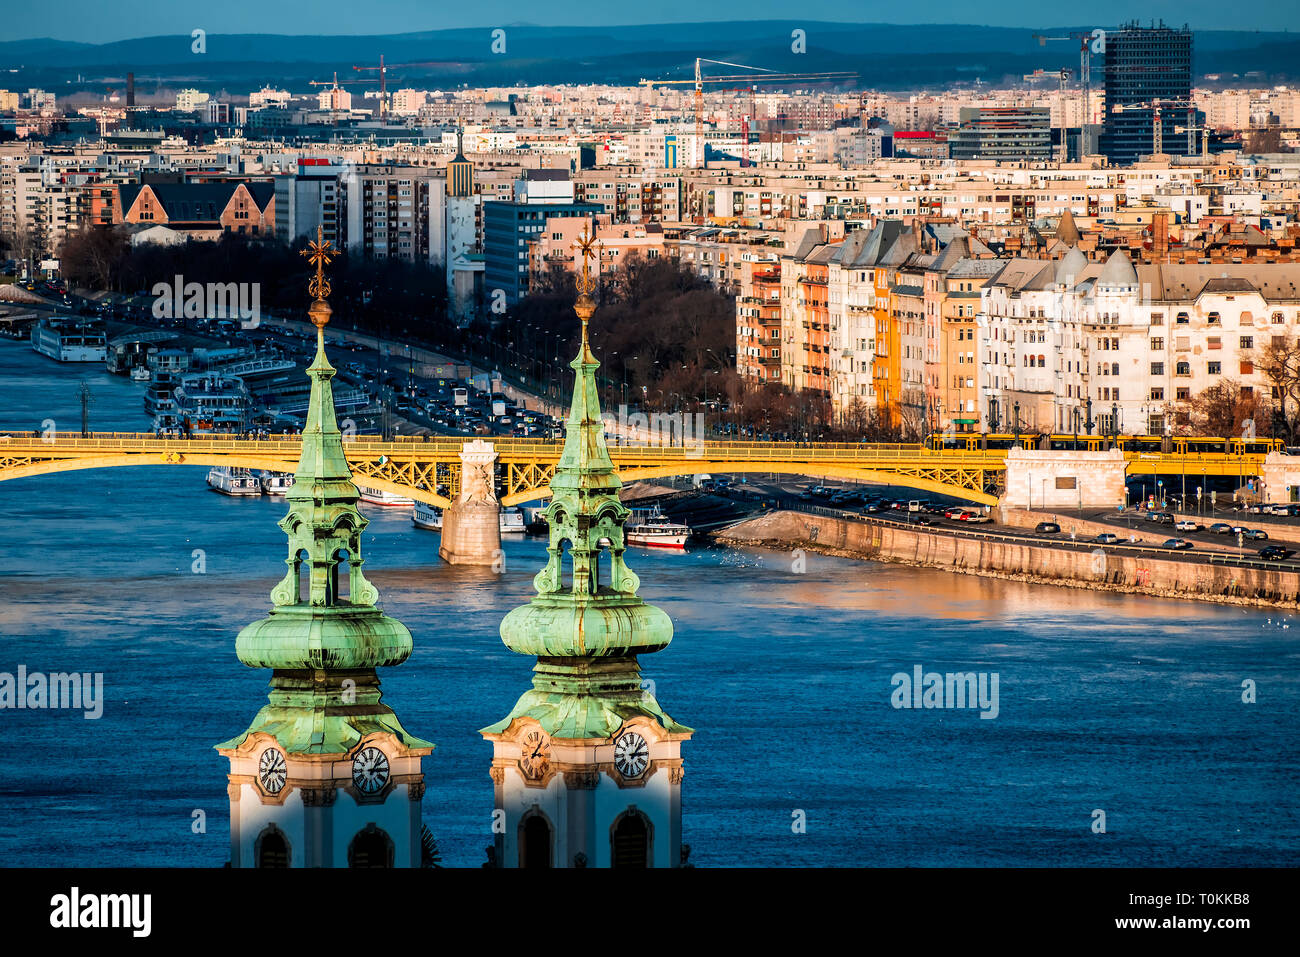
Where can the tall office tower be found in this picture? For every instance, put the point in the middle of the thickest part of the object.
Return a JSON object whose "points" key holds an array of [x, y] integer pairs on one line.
{"points": [[1148, 73]]}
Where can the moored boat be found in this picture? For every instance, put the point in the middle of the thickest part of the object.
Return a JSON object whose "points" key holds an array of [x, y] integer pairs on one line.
{"points": [[427, 516], [374, 496], [233, 481], [67, 339], [276, 483]]}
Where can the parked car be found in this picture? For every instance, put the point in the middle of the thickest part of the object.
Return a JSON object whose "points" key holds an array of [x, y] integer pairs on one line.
{"points": [[1179, 543], [1220, 528], [1106, 538], [1161, 518], [1047, 528], [1186, 525], [1255, 534], [1275, 553], [954, 512], [975, 518]]}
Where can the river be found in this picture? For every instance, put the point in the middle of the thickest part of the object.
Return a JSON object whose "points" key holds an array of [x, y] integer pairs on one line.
{"points": [[783, 664]]}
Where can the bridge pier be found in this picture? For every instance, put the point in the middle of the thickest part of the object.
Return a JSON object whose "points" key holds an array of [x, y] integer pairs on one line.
{"points": [[1066, 479], [471, 528], [1280, 476]]}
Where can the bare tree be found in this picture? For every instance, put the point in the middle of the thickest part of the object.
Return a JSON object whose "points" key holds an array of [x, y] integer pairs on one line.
{"points": [[1279, 363], [1225, 408]]}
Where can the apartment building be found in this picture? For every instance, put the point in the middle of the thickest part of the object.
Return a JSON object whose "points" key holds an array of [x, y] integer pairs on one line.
{"points": [[1127, 347]]}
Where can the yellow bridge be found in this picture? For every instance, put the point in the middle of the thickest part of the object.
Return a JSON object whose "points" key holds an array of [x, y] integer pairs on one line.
{"points": [[429, 469]]}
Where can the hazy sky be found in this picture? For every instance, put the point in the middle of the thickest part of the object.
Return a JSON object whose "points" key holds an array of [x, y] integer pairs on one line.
{"points": [[98, 21]]}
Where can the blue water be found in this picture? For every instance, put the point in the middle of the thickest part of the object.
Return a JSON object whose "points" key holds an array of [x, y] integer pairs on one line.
{"points": [[1124, 704]]}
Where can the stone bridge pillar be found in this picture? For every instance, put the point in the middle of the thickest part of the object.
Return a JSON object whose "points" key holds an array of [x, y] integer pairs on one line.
{"points": [[1280, 475], [1038, 479], [471, 529]]}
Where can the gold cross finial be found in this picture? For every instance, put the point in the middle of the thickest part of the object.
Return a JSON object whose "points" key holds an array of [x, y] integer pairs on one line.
{"points": [[587, 247], [319, 253]]}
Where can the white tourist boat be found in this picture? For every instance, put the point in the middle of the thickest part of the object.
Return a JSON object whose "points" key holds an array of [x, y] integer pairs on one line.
{"points": [[430, 517], [374, 496], [276, 483], [512, 521], [233, 481], [427, 516], [140, 374], [67, 339], [653, 529]]}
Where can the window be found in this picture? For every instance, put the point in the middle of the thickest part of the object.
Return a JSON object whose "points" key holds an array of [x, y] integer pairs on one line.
{"points": [[1183, 394], [1114, 368], [1213, 319], [1158, 394], [1215, 368], [1247, 342], [1185, 368], [1157, 345], [1277, 319], [1182, 319], [1214, 342], [1247, 368], [1157, 318], [1157, 368]]}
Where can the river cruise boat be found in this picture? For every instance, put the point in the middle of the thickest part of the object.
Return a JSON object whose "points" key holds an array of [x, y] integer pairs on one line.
{"points": [[430, 517], [512, 521], [233, 481], [160, 402], [374, 496], [70, 340], [652, 529], [276, 483], [427, 516], [208, 403]]}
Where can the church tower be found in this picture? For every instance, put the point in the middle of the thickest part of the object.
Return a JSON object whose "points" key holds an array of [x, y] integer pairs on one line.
{"points": [[587, 767], [325, 776]]}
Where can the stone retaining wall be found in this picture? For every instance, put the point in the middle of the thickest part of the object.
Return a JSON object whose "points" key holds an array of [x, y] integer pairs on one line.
{"points": [[1097, 568]]}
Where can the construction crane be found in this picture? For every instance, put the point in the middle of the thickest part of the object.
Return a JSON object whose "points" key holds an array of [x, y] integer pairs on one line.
{"points": [[1063, 76], [764, 76], [1085, 83], [1157, 108], [1191, 129], [335, 86], [383, 89]]}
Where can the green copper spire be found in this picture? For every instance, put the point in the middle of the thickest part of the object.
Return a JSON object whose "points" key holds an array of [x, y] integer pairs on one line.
{"points": [[323, 641], [586, 624]]}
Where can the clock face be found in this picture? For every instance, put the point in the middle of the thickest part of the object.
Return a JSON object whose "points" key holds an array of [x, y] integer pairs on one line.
{"points": [[370, 770], [536, 756], [271, 770], [631, 755]]}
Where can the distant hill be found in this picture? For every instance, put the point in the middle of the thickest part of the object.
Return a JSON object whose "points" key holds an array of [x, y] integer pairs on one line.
{"points": [[885, 56]]}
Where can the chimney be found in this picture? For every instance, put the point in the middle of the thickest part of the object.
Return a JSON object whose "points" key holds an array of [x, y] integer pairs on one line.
{"points": [[1159, 237], [130, 90]]}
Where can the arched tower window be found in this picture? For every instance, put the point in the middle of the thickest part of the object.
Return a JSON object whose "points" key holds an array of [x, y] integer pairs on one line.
{"points": [[272, 849], [630, 840], [340, 575], [535, 841], [302, 574], [371, 847]]}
